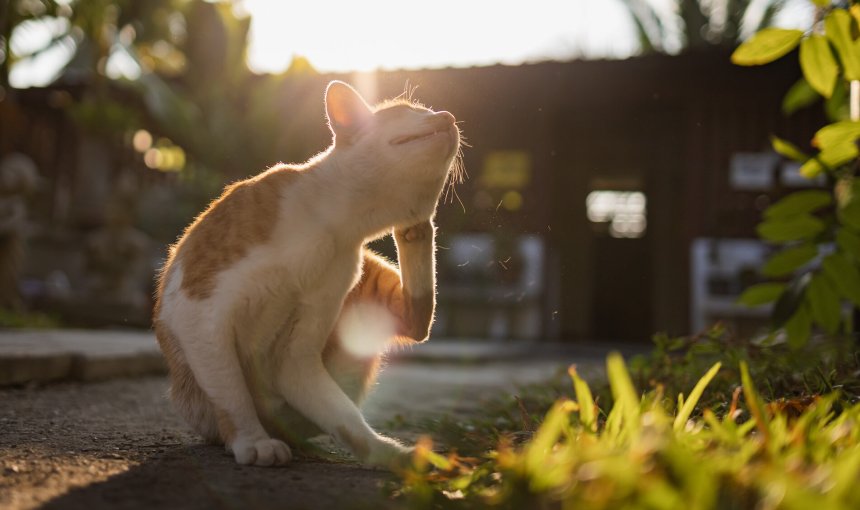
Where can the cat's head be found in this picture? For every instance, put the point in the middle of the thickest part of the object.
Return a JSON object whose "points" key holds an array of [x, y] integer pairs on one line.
{"points": [[399, 148]]}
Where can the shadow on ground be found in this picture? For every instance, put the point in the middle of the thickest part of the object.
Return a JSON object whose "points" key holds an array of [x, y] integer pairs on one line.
{"points": [[204, 477], [117, 444]]}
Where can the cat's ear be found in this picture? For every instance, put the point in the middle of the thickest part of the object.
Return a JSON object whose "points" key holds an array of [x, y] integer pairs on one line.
{"points": [[346, 110]]}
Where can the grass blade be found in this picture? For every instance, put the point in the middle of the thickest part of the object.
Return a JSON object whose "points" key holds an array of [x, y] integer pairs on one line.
{"points": [[587, 414], [754, 402], [623, 391], [690, 404]]}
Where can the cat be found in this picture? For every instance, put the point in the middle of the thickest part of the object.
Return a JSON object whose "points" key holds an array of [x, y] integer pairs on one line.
{"points": [[257, 298]]}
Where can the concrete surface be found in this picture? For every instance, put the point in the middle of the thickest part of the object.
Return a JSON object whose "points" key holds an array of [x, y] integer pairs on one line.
{"points": [[83, 355]]}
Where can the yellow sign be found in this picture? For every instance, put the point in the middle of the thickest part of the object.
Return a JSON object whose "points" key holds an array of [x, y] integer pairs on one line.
{"points": [[507, 169]]}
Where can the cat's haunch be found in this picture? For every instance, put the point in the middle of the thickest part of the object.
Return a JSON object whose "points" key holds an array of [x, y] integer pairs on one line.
{"points": [[271, 312]]}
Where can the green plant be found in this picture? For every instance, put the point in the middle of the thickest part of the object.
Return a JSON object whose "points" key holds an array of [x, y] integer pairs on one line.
{"points": [[790, 377], [31, 320], [698, 23], [817, 267], [647, 453]]}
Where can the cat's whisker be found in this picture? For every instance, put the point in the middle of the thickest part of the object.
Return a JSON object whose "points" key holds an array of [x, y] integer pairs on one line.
{"points": [[457, 196]]}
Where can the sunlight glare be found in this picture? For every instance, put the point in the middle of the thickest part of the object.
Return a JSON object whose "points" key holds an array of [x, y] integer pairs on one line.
{"points": [[389, 34]]}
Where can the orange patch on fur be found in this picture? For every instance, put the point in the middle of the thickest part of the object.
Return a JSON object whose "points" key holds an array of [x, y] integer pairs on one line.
{"points": [[380, 283], [244, 216]]}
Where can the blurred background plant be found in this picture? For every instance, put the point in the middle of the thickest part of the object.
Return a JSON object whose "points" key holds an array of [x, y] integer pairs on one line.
{"points": [[817, 267], [182, 64], [694, 25]]}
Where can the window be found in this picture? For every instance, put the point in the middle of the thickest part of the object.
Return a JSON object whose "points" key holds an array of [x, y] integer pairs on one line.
{"points": [[623, 212]]}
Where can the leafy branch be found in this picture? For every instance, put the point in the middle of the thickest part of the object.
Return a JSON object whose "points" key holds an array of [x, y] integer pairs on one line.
{"points": [[816, 268]]}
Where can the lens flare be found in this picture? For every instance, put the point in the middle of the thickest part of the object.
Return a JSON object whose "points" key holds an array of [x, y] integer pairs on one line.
{"points": [[364, 329]]}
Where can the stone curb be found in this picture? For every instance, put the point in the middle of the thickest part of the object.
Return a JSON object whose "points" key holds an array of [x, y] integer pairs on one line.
{"points": [[52, 355]]}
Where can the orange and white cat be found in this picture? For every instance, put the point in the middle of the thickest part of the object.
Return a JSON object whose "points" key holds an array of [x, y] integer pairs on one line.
{"points": [[253, 299]]}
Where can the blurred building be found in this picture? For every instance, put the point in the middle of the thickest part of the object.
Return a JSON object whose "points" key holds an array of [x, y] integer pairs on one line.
{"points": [[605, 199]]}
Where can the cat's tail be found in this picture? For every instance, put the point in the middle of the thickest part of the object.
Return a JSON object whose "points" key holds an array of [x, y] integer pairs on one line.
{"points": [[187, 396]]}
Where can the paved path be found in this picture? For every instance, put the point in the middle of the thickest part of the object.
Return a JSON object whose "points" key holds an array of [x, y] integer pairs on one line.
{"points": [[117, 444]]}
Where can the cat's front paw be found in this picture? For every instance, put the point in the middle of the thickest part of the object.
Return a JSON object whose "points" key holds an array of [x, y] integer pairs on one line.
{"points": [[390, 454], [261, 452], [417, 232]]}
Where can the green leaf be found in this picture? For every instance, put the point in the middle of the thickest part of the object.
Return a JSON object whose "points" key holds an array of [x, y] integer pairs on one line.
{"points": [[786, 261], [849, 212], [837, 24], [799, 96], [824, 303], [623, 391], [849, 242], [790, 300], [587, 414], [439, 461], [798, 326], [838, 133], [761, 294], [552, 427], [844, 276], [788, 149], [837, 155], [819, 66], [794, 228], [798, 203], [836, 108], [812, 168], [754, 402], [695, 395], [821, 3], [766, 46]]}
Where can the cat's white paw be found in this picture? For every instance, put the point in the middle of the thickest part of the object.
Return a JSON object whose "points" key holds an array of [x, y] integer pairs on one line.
{"points": [[261, 452], [388, 453], [417, 232]]}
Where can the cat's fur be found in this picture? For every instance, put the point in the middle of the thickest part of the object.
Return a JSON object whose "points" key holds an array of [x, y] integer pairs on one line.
{"points": [[249, 297]]}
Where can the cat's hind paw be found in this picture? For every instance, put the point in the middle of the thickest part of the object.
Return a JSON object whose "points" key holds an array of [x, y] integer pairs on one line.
{"points": [[262, 452]]}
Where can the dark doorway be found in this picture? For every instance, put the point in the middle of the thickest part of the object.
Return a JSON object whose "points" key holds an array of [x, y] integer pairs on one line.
{"points": [[621, 308], [621, 266]]}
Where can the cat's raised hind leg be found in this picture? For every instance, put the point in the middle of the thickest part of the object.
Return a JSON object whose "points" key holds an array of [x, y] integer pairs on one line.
{"points": [[212, 357]]}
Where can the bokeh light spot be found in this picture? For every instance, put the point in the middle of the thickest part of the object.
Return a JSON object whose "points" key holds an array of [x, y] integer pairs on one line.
{"points": [[365, 329]]}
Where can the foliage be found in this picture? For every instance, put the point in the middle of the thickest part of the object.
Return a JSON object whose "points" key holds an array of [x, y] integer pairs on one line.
{"points": [[789, 374], [207, 117], [193, 89], [816, 233], [699, 23], [648, 453], [31, 320]]}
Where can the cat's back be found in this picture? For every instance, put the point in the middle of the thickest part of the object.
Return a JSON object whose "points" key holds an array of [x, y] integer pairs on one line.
{"points": [[245, 216]]}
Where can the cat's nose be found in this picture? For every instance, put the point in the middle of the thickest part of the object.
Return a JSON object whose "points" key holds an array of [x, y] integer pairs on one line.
{"points": [[447, 116]]}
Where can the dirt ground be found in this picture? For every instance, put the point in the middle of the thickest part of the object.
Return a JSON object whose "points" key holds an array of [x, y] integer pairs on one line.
{"points": [[118, 444]]}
